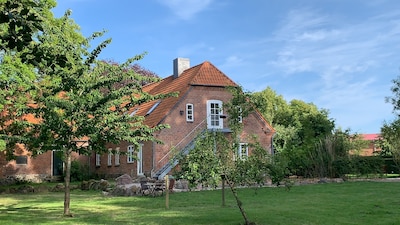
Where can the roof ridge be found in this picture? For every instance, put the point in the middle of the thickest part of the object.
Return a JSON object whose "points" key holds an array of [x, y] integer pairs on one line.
{"points": [[206, 70]]}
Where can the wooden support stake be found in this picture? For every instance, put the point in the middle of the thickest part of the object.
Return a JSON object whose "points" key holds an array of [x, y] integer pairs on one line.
{"points": [[167, 192]]}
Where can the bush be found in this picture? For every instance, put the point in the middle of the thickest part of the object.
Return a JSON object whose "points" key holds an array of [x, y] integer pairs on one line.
{"points": [[341, 167], [79, 172], [391, 166], [365, 165]]}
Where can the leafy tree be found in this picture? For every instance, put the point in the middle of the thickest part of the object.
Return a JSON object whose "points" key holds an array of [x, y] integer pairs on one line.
{"points": [[390, 131], [299, 125], [137, 69], [77, 102], [20, 20], [390, 142], [271, 105]]}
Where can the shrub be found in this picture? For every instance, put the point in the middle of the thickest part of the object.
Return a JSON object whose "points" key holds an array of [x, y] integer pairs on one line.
{"points": [[79, 172], [365, 165], [391, 166], [342, 166]]}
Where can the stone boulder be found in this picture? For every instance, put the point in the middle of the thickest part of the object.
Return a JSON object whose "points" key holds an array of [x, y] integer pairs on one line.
{"points": [[101, 185], [58, 188], [126, 190], [123, 180]]}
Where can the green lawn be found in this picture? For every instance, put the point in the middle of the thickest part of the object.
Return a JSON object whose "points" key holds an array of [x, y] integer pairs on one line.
{"points": [[339, 203]]}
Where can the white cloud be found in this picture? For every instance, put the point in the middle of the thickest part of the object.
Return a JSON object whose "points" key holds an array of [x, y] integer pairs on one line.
{"points": [[186, 9], [344, 59]]}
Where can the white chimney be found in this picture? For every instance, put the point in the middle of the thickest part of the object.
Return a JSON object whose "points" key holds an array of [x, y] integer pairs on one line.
{"points": [[180, 65]]}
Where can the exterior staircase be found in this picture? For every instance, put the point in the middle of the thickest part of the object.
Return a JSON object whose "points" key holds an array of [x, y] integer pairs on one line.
{"points": [[160, 174], [170, 160]]}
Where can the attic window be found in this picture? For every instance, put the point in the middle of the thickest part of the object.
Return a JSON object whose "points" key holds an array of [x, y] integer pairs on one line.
{"points": [[153, 108]]}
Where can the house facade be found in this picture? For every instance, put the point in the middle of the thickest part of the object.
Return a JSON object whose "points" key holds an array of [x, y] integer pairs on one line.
{"points": [[202, 91]]}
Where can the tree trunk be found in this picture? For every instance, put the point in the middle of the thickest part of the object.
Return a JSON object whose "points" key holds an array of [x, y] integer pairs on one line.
{"points": [[67, 179], [239, 203]]}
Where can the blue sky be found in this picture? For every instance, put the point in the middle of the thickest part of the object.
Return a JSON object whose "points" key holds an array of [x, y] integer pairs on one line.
{"points": [[340, 55]]}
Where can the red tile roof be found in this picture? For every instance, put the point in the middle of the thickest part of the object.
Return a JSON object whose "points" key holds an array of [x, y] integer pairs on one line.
{"points": [[204, 74], [370, 137]]}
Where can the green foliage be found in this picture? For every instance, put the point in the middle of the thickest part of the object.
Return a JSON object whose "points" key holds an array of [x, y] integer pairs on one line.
{"points": [[201, 166], [216, 154], [278, 169], [331, 148], [358, 166], [390, 131], [342, 166], [254, 168], [391, 167], [79, 171], [272, 106], [366, 165], [20, 20], [2, 145], [303, 133], [390, 141]]}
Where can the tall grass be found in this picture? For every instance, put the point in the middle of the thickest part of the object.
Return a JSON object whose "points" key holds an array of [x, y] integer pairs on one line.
{"points": [[339, 203]]}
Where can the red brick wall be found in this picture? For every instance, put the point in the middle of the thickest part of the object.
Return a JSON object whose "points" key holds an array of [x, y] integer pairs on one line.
{"points": [[38, 166], [198, 96], [113, 170]]}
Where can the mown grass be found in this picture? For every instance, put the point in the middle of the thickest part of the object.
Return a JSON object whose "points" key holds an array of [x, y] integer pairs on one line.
{"points": [[338, 203]]}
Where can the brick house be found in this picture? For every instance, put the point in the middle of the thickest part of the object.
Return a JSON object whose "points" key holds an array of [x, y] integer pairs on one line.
{"points": [[372, 148], [202, 92]]}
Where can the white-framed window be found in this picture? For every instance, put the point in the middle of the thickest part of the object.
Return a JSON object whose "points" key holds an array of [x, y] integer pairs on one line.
{"points": [[98, 159], [243, 151], [189, 113], [140, 160], [109, 157], [214, 112], [116, 157], [129, 156]]}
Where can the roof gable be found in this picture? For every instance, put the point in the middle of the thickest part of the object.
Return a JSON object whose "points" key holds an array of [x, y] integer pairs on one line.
{"points": [[204, 74]]}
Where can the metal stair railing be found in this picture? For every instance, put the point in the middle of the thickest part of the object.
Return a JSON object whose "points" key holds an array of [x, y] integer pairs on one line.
{"points": [[169, 160]]}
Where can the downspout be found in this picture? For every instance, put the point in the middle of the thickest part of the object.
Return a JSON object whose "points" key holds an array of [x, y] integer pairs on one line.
{"points": [[153, 158]]}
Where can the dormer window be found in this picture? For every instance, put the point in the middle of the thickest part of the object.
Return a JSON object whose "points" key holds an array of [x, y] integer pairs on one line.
{"points": [[189, 113], [134, 112], [153, 108]]}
